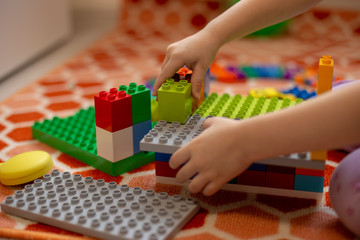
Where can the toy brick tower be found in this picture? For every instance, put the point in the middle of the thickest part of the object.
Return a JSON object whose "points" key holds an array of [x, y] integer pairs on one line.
{"points": [[122, 118]]}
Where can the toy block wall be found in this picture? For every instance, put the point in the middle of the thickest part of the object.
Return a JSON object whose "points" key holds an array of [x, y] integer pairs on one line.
{"points": [[123, 117]]}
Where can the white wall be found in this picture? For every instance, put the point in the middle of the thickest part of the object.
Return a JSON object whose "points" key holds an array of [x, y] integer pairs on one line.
{"points": [[96, 5], [29, 28]]}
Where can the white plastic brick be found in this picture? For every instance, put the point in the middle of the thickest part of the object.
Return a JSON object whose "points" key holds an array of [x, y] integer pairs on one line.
{"points": [[100, 209], [115, 146]]}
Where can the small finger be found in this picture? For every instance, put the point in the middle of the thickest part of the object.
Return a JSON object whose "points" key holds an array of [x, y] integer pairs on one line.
{"points": [[198, 183], [186, 172], [180, 157], [212, 187], [168, 71], [197, 80], [208, 122]]}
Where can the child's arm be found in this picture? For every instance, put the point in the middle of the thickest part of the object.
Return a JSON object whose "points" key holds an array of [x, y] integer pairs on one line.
{"points": [[199, 50], [228, 147]]}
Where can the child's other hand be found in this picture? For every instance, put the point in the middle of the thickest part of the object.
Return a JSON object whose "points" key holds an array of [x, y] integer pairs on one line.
{"points": [[213, 158], [196, 52]]}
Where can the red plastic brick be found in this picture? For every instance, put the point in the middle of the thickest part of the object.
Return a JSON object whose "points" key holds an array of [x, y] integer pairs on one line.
{"points": [[310, 172], [280, 180], [113, 110], [163, 169], [280, 169], [252, 178]]}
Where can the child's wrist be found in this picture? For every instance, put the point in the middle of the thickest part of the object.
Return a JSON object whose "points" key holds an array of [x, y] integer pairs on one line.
{"points": [[246, 137], [210, 33]]}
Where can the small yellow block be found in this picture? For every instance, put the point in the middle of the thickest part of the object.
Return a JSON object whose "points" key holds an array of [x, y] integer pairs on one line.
{"points": [[319, 155], [25, 167]]}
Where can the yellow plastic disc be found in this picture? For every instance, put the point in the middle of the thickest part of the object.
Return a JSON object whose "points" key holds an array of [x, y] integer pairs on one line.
{"points": [[25, 167]]}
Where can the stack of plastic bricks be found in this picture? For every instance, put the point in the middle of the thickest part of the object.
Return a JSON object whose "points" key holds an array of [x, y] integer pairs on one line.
{"points": [[112, 146], [100, 209], [295, 175], [122, 118]]}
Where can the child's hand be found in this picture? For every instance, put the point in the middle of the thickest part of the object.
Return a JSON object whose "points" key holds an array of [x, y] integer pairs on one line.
{"points": [[196, 52], [213, 158]]}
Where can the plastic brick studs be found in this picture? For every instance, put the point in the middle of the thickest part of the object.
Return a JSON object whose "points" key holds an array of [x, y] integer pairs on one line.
{"points": [[168, 137], [100, 209], [113, 110]]}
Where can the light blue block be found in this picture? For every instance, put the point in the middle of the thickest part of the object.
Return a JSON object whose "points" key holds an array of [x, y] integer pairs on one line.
{"points": [[139, 131], [309, 183]]}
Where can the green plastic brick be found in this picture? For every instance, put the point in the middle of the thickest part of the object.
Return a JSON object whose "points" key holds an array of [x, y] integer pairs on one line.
{"points": [[154, 110], [175, 101], [75, 136], [241, 106], [140, 100]]}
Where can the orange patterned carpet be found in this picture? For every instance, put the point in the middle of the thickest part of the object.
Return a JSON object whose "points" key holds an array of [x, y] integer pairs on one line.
{"points": [[133, 53]]}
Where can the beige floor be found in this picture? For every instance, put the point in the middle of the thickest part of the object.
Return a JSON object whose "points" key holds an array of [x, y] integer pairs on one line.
{"points": [[89, 26]]}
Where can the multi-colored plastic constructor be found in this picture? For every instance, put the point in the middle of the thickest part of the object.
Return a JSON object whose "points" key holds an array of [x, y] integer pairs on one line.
{"points": [[297, 175], [233, 74], [122, 118], [76, 136], [292, 93], [100, 209]]}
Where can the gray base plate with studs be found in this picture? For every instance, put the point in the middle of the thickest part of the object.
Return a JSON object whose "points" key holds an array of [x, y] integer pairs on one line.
{"points": [[100, 209]]}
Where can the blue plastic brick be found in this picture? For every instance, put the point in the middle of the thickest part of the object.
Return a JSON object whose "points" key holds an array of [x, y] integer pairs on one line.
{"points": [[300, 93], [100, 209], [139, 131], [163, 157], [309, 183], [256, 167]]}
